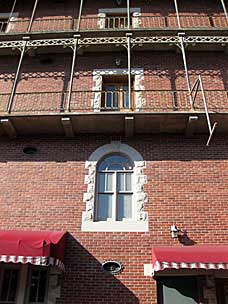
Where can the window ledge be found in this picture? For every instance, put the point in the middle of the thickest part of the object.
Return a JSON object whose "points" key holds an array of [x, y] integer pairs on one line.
{"points": [[127, 226]]}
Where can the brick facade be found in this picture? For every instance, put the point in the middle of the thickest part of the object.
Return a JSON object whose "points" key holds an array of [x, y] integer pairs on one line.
{"points": [[186, 181], [187, 184]]}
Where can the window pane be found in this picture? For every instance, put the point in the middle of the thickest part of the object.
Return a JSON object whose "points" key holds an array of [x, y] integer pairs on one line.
{"points": [[42, 286], [9, 285], [33, 285], [116, 162], [38, 284], [177, 290], [104, 209], [120, 181], [101, 182], [124, 206], [13, 285], [128, 184], [124, 182], [109, 178]]}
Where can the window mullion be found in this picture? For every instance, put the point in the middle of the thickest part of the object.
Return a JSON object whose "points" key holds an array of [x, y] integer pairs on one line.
{"points": [[114, 200]]}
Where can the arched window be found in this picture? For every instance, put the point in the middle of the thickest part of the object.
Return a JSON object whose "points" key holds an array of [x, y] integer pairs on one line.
{"points": [[115, 196], [114, 188]]}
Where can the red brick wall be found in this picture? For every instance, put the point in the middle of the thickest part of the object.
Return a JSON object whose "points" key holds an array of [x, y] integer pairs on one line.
{"points": [[187, 185], [52, 15], [162, 71]]}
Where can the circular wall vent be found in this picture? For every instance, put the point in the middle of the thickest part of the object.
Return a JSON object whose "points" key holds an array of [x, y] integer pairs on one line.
{"points": [[113, 267], [30, 150]]}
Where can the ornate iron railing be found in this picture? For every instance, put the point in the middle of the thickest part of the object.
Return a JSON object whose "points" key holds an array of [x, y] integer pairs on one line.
{"points": [[200, 21], [88, 101]]}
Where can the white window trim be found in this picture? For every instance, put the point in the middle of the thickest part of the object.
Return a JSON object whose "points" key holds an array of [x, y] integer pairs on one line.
{"points": [[140, 221], [135, 11], [98, 74]]}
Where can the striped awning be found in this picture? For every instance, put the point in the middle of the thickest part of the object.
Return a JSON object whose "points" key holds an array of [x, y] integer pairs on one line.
{"points": [[211, 257], [43, 248]]}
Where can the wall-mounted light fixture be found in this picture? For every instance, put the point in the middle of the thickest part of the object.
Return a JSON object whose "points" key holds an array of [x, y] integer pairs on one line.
{"points": [[118, 62], [174, 231], [118, 2]]}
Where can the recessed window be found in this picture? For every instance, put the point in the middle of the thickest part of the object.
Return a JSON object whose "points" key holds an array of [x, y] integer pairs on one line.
{"points": [[8, 285], [30, 150], [3, 24], [117, 21], [112, 267], [37, 286], [115, 92], [114, 188]]}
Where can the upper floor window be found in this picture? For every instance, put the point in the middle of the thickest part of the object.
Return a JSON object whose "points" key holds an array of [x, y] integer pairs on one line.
{"points": [[114, 188], [115, 92], [117, 21]]}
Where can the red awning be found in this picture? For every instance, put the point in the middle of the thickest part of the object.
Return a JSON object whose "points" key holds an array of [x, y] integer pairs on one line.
{"points": [[189, 257], [35, 247]]}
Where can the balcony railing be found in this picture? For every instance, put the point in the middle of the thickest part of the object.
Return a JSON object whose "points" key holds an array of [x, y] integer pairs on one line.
{"points": [[116, 23], [154, 101]]}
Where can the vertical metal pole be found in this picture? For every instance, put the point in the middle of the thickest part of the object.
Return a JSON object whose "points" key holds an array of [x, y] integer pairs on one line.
{"points": [[224, 8], [79, 16], [177, 13], [128, 15], [32, 16], [129, 67], [72, 71], [17, 75], [211, 128], [181, 37], [12, 10]]}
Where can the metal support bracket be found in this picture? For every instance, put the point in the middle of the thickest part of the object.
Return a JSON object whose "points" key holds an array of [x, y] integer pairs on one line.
{"points": [[67, 126], [8, 127], [191, 125], [129, 126]]}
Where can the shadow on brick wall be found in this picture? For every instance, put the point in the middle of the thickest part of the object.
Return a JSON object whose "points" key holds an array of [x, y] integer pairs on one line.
{"points": [[86, 282]]}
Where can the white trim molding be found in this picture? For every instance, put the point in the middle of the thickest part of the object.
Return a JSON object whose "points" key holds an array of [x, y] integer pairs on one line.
{"points": [[98, 74], [134, 11], [140, 221]]}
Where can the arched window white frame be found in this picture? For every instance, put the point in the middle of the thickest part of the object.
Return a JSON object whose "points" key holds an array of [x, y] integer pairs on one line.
{"points": [[138, 221], [114, 188]]}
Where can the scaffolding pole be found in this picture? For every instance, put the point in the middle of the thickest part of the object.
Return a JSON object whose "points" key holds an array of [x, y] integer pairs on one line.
{"points": [[12, 11], [224, 8], [129, 67], [22, 50], [74, 48], [128, 15], [79, 16], [32, 16], [177, 13], [181, 37]]}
